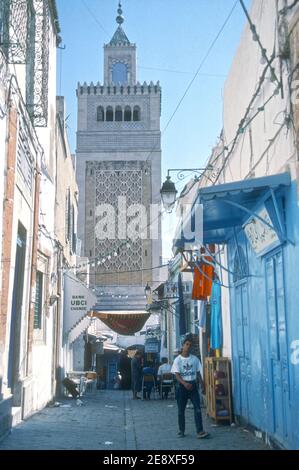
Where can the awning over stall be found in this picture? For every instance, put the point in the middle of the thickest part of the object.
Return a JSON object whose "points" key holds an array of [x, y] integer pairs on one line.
{"points": [[228, 206], [123, 322]]}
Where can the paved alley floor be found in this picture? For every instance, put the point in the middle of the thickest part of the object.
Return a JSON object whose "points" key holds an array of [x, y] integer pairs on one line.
{"points": [[111, 420]]}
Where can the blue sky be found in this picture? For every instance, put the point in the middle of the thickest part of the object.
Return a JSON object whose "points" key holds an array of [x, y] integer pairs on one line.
{"points": [[172, 37]]}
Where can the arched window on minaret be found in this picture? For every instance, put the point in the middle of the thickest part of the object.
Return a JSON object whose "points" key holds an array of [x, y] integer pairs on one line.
{"points": [[118, 114], [109, 114], [128, 113], [136, 113], [100, 114]]}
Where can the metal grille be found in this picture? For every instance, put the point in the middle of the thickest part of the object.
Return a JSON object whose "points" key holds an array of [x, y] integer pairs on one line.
{"points": [[24, 157], [3, 84], [41, 64], [25, 38], [3, 71], [14, 30]]}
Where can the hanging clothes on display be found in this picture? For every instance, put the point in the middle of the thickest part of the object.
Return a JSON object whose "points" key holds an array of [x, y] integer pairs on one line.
{"points": [[203, 280], [216, 317], [197, 285]]}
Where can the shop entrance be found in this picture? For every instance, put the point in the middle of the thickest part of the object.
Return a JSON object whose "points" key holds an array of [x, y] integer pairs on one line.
{"points": [[16, 318]]}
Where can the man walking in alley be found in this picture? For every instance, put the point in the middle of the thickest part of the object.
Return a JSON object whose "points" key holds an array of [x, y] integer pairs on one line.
{"points": [[187, 369], [136, 374]]}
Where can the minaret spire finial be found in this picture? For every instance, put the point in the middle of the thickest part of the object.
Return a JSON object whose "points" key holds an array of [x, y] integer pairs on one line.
{"points": [[120, 19]]}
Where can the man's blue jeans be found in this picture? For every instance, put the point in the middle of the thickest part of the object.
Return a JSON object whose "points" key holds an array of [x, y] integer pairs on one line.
{"points": [[182, 398]]}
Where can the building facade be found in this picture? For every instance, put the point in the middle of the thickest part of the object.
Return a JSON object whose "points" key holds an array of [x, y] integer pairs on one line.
{"points": [[66, 242], [29, 36]]}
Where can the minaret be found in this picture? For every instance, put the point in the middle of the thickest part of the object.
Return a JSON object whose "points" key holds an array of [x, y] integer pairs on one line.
{"points": [[118, 155]]}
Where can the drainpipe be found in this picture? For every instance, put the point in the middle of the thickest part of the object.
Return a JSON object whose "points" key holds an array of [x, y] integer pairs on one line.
{"points": [[33, 269]]}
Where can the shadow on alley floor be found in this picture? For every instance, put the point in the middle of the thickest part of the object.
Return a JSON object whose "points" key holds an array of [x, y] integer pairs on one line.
{"points": [[111, 420]]}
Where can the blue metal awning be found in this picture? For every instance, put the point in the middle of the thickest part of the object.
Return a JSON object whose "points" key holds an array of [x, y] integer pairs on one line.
{"points": [[228, 206]]}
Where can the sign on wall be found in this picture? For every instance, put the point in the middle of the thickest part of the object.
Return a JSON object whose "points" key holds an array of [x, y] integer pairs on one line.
{"points": [[260, 235], [152, 347], [78, 301]]}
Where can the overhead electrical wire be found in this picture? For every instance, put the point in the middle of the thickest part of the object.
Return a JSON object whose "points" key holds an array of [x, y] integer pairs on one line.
{"points": [[286, 9], [241, 129], [108, 273], [256, 38], [201, 65], [95, 19], [194, 77], [182, 72]]}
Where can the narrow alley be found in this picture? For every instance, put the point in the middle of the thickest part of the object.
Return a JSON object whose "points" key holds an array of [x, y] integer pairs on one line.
{"points": [[111, 420], [149, 179]]}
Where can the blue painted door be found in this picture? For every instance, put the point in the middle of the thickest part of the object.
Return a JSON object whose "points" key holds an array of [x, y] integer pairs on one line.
{"points": [[279, 365], [243, 349]]}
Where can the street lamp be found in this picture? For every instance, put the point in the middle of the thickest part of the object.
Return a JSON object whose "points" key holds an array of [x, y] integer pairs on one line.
{"points": [[168, 194], [169, 191]]}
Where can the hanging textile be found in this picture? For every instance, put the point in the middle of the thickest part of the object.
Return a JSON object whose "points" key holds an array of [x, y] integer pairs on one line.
{"points": [[216, 317], [182, 313], [203, 280]]}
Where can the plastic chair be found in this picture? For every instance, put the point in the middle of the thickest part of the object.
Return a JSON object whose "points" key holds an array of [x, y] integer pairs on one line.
{"points": [[167, 382], [148, 379]]}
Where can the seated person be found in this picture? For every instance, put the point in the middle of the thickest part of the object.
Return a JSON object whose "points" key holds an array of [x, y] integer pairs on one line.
{"points": [[148, 385], [165, 368]]}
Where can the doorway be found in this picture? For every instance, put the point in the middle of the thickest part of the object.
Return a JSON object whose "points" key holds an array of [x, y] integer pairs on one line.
{"points": [[16, 318], [278, 341]]}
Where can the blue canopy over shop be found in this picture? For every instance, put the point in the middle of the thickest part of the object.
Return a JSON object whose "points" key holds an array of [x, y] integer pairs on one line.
{"points": [[231, 205]]}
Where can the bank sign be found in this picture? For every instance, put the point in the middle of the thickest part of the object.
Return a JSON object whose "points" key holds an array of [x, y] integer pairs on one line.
{"points": [[78, 301]]}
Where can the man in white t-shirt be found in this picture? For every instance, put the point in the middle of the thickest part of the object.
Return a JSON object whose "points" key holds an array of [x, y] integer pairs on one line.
{"points": [[188, 369]]}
